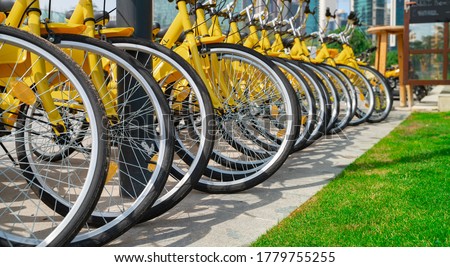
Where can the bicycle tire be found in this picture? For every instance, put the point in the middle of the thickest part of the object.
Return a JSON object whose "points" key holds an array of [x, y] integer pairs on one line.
{"points": [[332, 92], [142, 140], [346, 105], [224, 179], [183, 178], [366, 96], [30, 221], [323, 108], [383, 94], [306, 101], [350, 87]]}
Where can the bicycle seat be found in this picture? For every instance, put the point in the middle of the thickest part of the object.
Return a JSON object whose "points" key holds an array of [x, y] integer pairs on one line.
{"points": [[6, 5], [59, 28], [156, 25], [162, 32], [372, 49]]}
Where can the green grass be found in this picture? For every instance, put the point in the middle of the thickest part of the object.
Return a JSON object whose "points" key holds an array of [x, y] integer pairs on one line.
{"points": [[395, 195]]}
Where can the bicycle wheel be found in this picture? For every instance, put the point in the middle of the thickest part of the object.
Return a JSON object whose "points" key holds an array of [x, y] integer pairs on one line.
{"points": [[346, 105], [366, 97], [257, 127], [27, 180], [141, 137], [332, 92], [322, 100], [306, 101], [192, 113], [348, 84], [383, 94], [393, 82]]}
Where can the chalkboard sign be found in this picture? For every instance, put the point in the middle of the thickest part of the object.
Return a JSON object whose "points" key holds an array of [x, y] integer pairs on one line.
{"points": [[426, 11]]}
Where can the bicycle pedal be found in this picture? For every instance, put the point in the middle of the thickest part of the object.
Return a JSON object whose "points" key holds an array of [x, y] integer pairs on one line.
{"points": [[281, 133], [274, 111], [23, 92], [112, 170], [152, 165], [9, 107], [304, 120]]}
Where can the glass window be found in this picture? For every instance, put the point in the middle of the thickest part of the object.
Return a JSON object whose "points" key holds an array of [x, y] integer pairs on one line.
{"points": [[426, 67], [426, 36]]}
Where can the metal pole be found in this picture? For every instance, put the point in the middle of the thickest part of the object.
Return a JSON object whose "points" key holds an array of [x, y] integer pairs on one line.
{"points": [[133, 166], [137, 14]]}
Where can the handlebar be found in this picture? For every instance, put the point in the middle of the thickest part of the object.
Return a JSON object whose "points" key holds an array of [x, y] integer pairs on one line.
{"points": [[328, 13], [308, 10], [352, 16]]}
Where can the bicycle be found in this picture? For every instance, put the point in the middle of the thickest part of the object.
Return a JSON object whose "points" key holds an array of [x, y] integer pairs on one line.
{"points": [[139, 123], [345, 87], [256, 124], [32, 72], [379, 84], [189, 101], [307, 102]]}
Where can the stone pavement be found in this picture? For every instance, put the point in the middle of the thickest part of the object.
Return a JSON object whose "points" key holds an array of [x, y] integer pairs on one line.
{"points": [[234, 220], [430, 102]]}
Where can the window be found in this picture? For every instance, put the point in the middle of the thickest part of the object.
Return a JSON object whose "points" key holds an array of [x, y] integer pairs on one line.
{"points": [[428, 43], [426, 36], [426, 66]]}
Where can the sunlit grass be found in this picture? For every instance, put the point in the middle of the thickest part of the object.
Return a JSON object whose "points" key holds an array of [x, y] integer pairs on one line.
{"points": [[396, 194]]}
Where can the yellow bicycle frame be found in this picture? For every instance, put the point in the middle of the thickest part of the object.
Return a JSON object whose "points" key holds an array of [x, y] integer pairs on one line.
{"points": [[84, 14], [260, 44], [215, 33], [189, 51], [38, 69]]}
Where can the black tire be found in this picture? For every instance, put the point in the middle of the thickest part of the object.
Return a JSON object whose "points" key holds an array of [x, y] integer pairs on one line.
{"points": [[366, 96], [142, 140], [420, 91], [225, 179], [191, 156], [75, 180], [331, 91], [343, 95], [323, 105], [393, 81], [383, 94], [306, 102], [348, 101]]}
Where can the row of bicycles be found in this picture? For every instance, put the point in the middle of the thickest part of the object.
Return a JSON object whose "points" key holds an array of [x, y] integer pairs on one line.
{"points": [[100, 131]]}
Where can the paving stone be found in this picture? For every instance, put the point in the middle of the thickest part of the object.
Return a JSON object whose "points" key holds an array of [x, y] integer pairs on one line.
{"points": [[233, 220]]}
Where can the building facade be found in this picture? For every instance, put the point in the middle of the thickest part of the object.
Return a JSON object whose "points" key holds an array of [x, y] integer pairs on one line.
{"points": [[373, 12], [323, 5]]}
